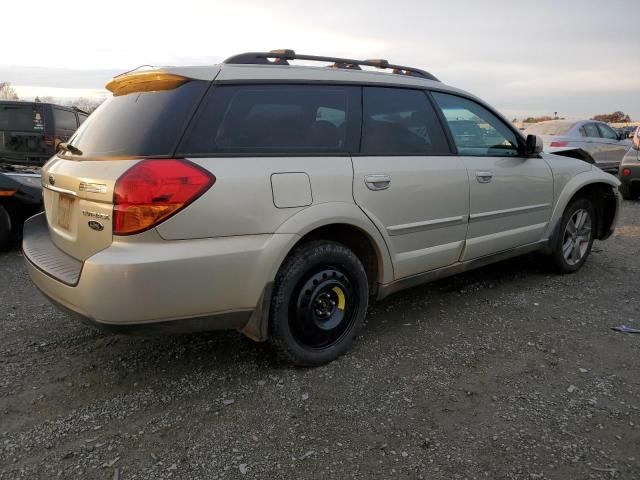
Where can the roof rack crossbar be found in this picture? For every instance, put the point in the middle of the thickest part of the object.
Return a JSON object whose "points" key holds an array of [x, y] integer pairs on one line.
{"points": [[280, 57]]}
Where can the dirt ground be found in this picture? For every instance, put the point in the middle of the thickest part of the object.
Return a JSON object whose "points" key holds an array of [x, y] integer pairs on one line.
{"points": [[504, 372]]}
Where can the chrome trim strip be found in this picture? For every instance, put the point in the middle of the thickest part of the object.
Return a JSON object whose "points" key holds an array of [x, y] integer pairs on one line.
{"points": [[418, 226], [59, 190], [508, 211]]}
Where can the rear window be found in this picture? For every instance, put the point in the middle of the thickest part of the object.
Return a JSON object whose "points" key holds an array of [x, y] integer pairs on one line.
{"points": [[276, 119], [22, 118], [65, 120], [139, 124], [549, 128]]}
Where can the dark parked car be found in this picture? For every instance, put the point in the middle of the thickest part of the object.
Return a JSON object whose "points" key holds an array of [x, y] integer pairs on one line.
{"points": [[29, 135], [20, 198], [31, 131]]}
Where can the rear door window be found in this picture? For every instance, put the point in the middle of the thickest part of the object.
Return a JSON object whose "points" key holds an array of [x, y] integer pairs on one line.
{"points": [[64, 119], [276, 120], [591, 130], [607, 132], [400, 121], [21, 118]]}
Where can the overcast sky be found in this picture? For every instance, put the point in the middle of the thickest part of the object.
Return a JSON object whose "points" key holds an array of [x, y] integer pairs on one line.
{"points": [[577, 57]]}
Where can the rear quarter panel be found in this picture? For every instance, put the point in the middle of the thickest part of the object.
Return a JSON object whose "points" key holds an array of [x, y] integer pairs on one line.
{"points": [[241, 202]]}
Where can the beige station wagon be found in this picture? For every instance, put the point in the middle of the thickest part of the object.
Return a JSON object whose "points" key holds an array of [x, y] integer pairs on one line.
{"points": [[279, 200]]}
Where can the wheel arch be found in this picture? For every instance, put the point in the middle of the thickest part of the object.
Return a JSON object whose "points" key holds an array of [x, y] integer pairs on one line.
{"points": [[337, 221], [602, 190]]}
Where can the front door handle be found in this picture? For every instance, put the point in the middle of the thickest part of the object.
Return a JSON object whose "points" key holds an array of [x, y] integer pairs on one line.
{"points": [[484, 177], [377, 182]]}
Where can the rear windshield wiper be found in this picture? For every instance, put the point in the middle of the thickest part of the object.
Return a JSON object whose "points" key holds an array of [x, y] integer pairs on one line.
{"points": [[69, 148]]}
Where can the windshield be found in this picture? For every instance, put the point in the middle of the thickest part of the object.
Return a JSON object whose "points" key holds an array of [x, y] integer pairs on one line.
{"points": [[139, 124], [21, 118], [550, 128]]}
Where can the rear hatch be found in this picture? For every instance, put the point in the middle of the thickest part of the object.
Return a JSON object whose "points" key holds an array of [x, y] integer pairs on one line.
{"points": [[22, 132], [144, 118]]}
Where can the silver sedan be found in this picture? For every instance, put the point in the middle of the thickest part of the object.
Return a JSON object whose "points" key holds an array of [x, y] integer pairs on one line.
{"points": [[605, 145]]}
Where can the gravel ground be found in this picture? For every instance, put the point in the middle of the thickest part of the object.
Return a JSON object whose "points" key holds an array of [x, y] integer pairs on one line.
{"points": [[504, 372]]}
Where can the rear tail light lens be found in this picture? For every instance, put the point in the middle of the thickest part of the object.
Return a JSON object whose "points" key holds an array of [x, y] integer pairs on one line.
{"points": [[559, 144], [626, 172], [154, 190]]}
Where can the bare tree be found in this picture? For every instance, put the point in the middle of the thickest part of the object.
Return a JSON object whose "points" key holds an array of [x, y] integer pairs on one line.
{"points": [[544, 118], [7, 92], [87, 105], [615, 117]]}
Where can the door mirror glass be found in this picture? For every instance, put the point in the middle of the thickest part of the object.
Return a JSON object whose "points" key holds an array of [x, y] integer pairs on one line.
{"points": [[534, 145]]}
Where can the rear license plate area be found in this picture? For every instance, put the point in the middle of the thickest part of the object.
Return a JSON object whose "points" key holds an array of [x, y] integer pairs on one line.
{"points": [[65, 209]]}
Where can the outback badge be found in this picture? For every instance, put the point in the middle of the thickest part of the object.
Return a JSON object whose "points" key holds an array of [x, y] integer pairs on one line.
{"points": [[95, 225]]}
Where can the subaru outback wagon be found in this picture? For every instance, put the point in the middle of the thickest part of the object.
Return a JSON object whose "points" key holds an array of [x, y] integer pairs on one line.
{"points": [[279, 200]]}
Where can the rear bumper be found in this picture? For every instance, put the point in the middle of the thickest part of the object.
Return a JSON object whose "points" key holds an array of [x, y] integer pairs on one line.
{"points": [[632, 180], [170, 286]]}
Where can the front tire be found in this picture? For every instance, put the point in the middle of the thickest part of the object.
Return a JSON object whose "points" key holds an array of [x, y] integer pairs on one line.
{"points": [[575, 237], [5, 228], [319, 303]]}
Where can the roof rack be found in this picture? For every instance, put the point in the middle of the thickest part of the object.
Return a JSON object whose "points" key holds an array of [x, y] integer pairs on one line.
{"points": [[281, 57]]}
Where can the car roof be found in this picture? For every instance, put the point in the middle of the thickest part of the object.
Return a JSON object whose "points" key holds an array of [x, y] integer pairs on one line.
{"points": [[31, 102], [303, 73], [261, 73]]}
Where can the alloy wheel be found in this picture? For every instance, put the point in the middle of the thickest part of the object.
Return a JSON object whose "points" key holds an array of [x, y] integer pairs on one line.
{"points": [[577, 235]]}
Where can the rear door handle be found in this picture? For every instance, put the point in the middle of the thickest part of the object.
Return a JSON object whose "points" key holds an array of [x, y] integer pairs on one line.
{"points": [[484, 177], [377, 182]]}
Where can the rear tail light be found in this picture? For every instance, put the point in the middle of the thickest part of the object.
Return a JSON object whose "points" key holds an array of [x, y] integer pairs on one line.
{"points": [[154, 190], [559, 144], [626, 172]]}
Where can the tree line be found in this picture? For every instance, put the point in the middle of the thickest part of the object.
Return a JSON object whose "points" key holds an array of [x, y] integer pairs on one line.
{"points": [[615, 117]]}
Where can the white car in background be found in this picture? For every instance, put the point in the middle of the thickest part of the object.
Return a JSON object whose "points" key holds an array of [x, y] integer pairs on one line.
{"points": [[606, 146]]}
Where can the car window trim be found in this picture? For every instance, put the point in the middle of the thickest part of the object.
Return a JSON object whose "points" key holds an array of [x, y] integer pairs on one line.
{"points": [[443, 123], [427, 90]]}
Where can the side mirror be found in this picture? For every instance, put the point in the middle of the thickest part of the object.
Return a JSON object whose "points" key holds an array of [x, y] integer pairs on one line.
{"points": [[533, 145]]}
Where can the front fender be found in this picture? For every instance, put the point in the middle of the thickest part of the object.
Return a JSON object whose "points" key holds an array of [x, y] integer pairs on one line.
{"points": [[331, 213], [590, 177]]}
